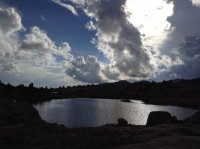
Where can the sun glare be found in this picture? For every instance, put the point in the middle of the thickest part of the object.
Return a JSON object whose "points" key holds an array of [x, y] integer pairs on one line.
{"points": [[150, 17]]}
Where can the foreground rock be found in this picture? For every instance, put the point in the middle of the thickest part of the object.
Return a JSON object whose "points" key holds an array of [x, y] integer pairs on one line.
{"points": [[160, 117], [122, 122]]}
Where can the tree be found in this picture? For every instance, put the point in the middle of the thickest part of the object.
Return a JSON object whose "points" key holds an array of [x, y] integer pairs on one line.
{"points": [[31, 85]]}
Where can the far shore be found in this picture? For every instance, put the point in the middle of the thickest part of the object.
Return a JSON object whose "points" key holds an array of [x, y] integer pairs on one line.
{"points": [[179, 92]]}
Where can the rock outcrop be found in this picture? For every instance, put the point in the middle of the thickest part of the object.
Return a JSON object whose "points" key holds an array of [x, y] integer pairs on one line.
{"points": [[160, 117], [122, 122]]}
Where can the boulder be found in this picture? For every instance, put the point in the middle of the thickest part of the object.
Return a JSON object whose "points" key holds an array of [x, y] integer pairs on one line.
{"points": [[160, 117], [122, 122]]}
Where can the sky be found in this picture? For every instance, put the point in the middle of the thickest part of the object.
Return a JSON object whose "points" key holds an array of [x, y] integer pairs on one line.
{"points": [[73, 42]]}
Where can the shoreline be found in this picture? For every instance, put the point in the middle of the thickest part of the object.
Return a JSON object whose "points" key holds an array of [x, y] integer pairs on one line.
{"points": [[22, 127]]}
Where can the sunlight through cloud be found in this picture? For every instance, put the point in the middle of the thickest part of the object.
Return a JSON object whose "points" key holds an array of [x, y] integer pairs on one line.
{"points": [[150, 17]]}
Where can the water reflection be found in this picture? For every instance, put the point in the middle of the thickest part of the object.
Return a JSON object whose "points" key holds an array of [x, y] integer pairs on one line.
{"points": [[97, 112]]}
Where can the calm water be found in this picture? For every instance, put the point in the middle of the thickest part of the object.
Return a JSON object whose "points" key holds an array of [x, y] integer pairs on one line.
{"points": [[97, 112]]}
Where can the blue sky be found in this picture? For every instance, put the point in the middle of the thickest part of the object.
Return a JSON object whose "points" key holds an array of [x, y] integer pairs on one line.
{"points": [[70, 42], [60, 24]]}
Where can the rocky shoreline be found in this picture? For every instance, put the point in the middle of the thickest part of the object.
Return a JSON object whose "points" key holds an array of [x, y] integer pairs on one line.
{"points": [[22, 128]]}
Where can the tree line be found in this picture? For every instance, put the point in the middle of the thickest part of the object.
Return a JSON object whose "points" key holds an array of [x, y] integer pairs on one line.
{"points": [[173, 92]]}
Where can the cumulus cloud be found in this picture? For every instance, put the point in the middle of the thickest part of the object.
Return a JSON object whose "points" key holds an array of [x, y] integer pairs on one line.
{"points": [[37, 40], [190, 47], [190, 54], [67, 6], [38, 49], [10, 20], [131, 55], [9, 67], [10, 25], [115, 37], [182, 43], [64, 51], [87, 70], [119, 40], [196, 3], [184, 25], [143, 50], [90, 26], [33, 57]]}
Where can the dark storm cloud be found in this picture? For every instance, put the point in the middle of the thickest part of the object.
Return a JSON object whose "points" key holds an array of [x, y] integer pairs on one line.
{"points": [[185, 22], [190, 48], [184, 41], [185, 19], [190, 54]]}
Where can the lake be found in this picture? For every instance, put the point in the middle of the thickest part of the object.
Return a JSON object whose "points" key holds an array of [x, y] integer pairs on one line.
{"points": [[97, 112]]}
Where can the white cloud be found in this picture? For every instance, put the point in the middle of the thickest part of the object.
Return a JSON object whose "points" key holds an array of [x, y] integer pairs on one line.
{"points": [[67, 6], [196, 3], [90, 26], [65, 51], [32, 58], [10, 20], [42, 18], [38, 40], [9, 67], [150, 17], [10, 25], [86, 70]]}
